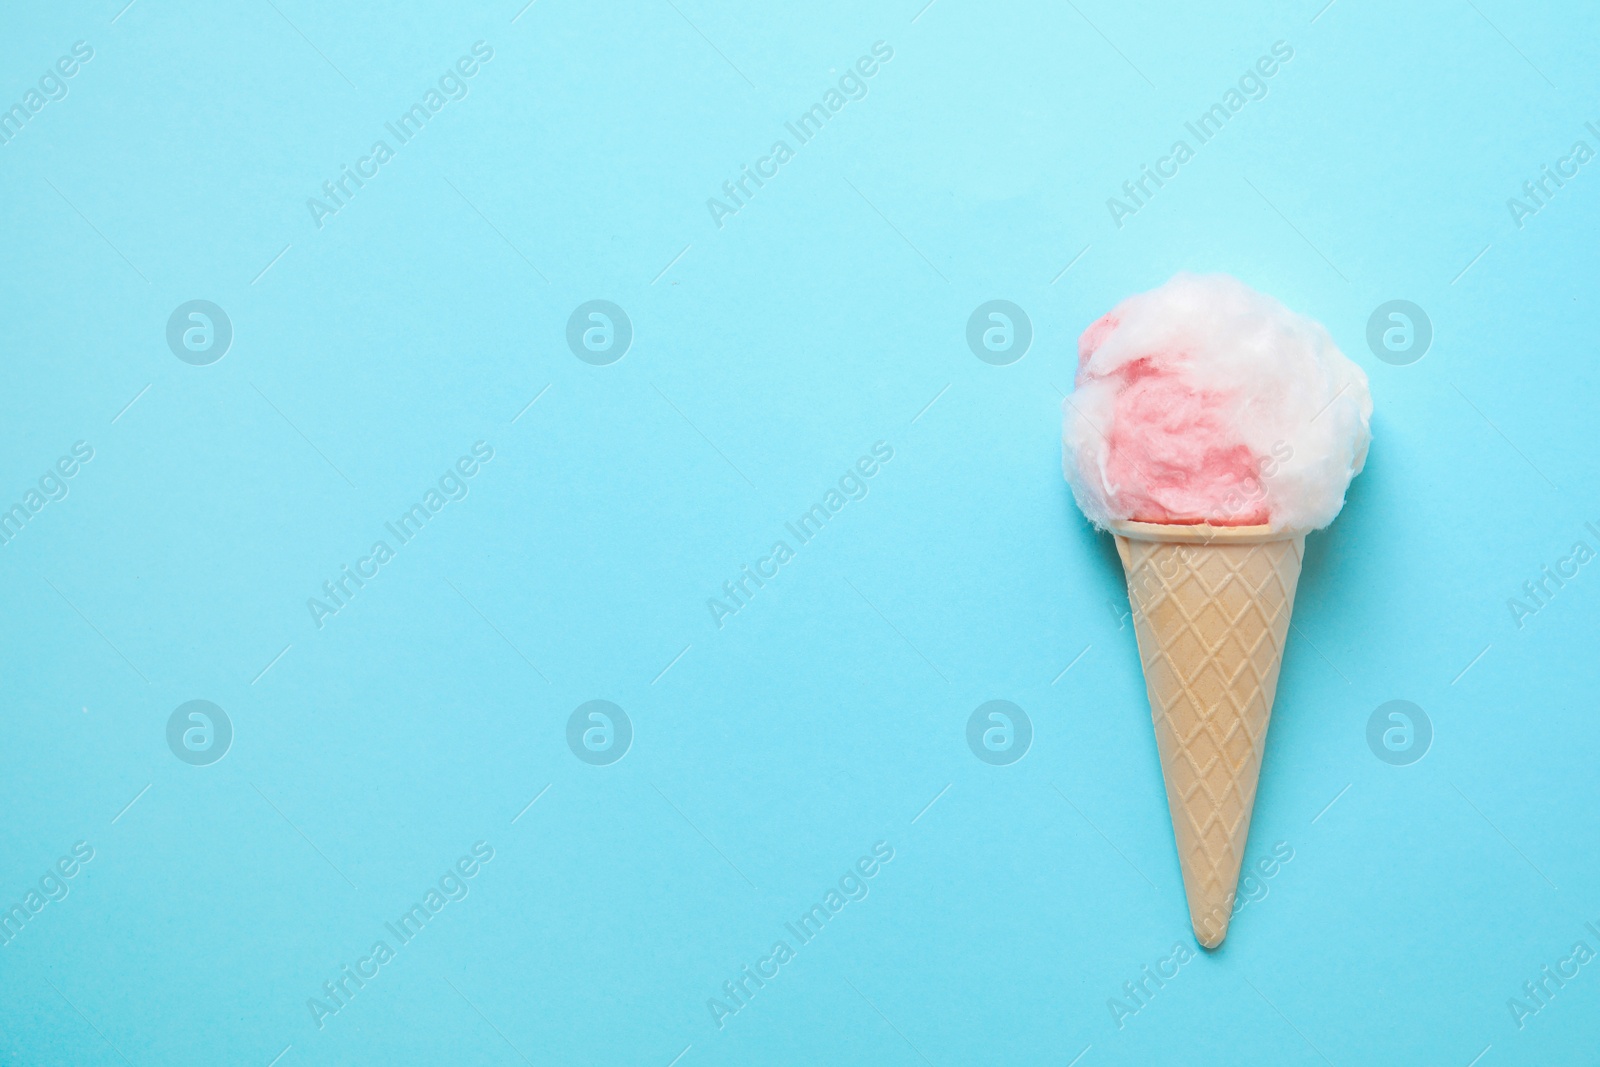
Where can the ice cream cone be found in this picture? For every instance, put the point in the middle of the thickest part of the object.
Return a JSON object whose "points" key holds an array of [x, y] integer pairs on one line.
{"points": [[1211, 607]]}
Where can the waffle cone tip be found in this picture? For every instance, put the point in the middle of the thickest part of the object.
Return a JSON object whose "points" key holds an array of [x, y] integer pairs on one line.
{"points": [[1211, 924]]}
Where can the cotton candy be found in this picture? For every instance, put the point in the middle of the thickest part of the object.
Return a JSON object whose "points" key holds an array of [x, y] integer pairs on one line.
{"points": [[1206, 401]]}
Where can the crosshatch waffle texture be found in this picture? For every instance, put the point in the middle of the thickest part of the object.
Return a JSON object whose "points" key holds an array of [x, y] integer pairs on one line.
{"points": [[1211, 609]]}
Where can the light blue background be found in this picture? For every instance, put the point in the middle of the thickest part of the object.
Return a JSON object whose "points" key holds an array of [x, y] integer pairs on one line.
{"points": [[768, 355]]}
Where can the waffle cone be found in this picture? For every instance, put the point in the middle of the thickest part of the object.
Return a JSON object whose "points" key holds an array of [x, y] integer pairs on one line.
{"points": [[1211, 607]]}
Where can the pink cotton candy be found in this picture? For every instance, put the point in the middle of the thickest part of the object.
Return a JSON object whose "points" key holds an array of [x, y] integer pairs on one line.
{"points": [[1172, 453]]}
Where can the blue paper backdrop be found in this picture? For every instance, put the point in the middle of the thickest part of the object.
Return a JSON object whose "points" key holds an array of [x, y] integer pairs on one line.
{"points": [[183, 479]]}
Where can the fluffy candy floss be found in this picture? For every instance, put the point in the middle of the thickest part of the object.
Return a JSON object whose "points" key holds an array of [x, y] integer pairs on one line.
{"points": [[1206, 401]]}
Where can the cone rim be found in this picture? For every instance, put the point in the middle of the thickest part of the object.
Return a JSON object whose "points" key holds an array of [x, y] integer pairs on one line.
{"points": [[1202, 533]]}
